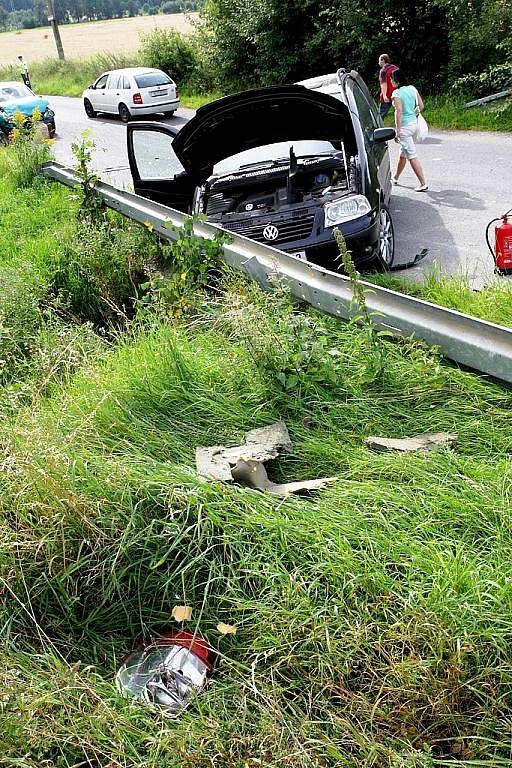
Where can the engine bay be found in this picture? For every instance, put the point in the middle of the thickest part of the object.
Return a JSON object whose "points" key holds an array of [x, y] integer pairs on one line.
{"points": [[270, 186]]}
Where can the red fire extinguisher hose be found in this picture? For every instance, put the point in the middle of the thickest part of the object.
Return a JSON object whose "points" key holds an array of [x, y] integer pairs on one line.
{"points": [[498, 218]]}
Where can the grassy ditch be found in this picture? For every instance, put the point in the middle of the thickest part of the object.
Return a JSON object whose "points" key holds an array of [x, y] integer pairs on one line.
{"points": [[373, 618], [61, 279]]}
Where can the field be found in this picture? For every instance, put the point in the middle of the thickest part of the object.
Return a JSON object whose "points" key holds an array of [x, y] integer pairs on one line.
{"points": [[82, 41]]}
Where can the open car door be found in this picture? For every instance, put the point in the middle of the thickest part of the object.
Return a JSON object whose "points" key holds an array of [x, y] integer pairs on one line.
{"points": [[156, 171]]}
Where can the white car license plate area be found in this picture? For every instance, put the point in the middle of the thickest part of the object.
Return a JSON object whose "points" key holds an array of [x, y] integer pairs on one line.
{"points": [[157, 93]]}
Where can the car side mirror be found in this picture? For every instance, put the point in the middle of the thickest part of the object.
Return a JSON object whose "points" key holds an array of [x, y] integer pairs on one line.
{"points": [[380, 135], [90, 87]]}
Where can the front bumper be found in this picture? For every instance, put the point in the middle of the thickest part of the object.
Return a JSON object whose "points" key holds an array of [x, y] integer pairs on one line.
{"points": [[362, 240], [154, 109], [361, 236]]}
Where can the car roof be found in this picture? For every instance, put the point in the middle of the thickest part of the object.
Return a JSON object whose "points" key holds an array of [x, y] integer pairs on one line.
{"points": [[8, 83], [330, 84], [132, 71]]}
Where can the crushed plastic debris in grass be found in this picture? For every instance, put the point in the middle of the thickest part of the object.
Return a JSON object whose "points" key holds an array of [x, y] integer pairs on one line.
{"points": [[168, 673], [244, 463], [420, 443]]}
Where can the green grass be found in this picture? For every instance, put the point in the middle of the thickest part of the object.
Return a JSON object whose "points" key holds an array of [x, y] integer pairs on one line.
{"points": [[196, 100], [59, 277], [69, 77], [448, 113], [374, 618], [493, 303]]}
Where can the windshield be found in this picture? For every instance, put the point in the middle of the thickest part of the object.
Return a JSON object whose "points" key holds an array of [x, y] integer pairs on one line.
{"points": [[272, 153], [13, 92], [150, 79]]}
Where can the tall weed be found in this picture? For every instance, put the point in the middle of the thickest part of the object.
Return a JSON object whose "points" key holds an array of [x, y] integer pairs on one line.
{"points": [[96, 273], [21, 161]]}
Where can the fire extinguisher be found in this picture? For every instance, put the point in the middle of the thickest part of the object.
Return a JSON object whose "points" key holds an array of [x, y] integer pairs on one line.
{"points": [[502, 252]]}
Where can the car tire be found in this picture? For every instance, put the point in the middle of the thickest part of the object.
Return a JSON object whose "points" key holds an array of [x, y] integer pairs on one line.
{"points": [[89, 109], [4, 140], [124, 113], [386, 243], [52, 130], [168, 115]]}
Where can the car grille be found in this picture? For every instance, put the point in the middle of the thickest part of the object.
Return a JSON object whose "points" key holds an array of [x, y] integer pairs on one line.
{"points": [[296, 228]]}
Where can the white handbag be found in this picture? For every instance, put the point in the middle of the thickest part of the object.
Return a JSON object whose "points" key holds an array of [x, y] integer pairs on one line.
{"points": [[422, 129]]}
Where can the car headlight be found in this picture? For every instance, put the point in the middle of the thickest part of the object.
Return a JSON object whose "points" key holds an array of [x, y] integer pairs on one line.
{"points": [[345, 209]]}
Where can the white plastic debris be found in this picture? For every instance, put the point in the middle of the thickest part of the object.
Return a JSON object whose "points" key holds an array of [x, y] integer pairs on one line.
{"points": [[420, 443], [244, 463]]}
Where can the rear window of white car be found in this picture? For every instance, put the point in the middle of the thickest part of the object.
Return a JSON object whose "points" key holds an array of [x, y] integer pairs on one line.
{"points": [[150, 79]]}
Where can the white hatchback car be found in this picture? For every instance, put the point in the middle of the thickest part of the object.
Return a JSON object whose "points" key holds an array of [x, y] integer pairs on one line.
{"points": [[130, 92]]}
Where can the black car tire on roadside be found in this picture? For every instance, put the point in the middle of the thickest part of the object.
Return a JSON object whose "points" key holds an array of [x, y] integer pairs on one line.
{"points": [[4, 140], [89, 111], [386, 246], [124, 113], [168, 115]]}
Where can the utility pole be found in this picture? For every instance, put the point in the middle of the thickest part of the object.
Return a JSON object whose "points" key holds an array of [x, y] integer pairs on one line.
{"points": [[55, 27]]}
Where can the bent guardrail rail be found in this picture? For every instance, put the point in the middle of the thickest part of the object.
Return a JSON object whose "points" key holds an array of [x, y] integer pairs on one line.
{"points": [[467, 340]]}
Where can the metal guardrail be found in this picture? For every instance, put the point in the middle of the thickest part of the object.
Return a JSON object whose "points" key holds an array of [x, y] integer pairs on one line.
{"points": [[467, 340], [488, 99]]}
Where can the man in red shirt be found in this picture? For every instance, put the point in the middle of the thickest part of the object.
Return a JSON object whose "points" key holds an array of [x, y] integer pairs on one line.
{"points": [[386, 83]]}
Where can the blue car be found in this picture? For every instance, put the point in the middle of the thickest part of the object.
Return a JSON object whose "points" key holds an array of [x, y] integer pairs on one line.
{"points": [[17, 97]]}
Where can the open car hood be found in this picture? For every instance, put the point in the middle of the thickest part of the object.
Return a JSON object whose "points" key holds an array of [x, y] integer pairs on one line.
{"points": [[258, 117]]}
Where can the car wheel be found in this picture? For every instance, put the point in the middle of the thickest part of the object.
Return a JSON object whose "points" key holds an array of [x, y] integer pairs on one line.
{"points": [[4, 140], [89, 110], [124, 113], [51, 130], [168, 115], [386, 245]]}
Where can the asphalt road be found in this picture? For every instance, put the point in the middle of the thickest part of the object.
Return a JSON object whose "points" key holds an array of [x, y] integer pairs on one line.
{"points": [[109, 157], [468, 173]]}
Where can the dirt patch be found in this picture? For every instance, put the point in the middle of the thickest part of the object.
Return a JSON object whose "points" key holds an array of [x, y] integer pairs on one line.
{"points": [[83, 41]]}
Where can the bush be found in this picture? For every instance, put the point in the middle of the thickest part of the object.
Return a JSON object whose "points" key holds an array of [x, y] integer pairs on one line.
{"points": [[492, 80], [168, 50]]}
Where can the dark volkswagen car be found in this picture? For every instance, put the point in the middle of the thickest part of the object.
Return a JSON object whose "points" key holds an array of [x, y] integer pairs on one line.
{"points": [[283, 165]]}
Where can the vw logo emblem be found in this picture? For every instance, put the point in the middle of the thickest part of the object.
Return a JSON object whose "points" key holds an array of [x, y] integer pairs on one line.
{"points": [[270, 232]]}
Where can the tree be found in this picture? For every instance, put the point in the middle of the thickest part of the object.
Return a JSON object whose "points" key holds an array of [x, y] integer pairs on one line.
{"points": [[269, 41]]}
